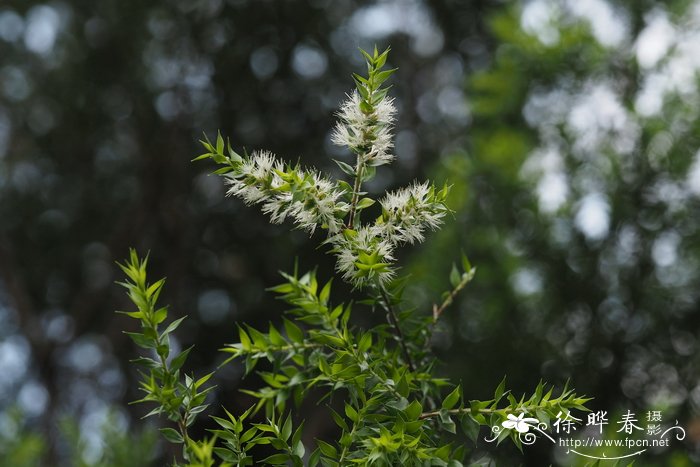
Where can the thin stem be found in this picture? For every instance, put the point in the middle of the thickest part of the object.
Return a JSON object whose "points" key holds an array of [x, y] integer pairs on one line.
{"points": [[394, 321], [439, 310], [506, 410], [238, 352], [359, 169]]}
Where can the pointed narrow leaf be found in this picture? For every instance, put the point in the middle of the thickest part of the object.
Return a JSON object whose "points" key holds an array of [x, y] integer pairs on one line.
{"points": [[293, 331], [173, 326], [171, 435], [141, 340], [452, 399], [454, 276], [178, 361], [500, 390], [346, 168]]}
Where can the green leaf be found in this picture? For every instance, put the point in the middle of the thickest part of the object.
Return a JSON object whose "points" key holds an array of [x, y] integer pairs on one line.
{"points": [[147, 362], [296, 437], [276, 459], [328, 340], [203, 379], [315, 458], [287, 428], [328, 450], [383, 76], [171, 435], [360, 79], [369, 173], [131, 314], [173, 326], [219, 143], [351, 413], [366, 107], [275, 337], [454, 276], [245, 437], [452, 399], [160, 315], [362, 89], [206, 143], [446, 422], [413, 410], [470, 428], [379, 95], [365, 342], [340, 421], [163, 350], [365, 203], [402, 386], [141, 340], [325, 293], [500, 390], [367, 56], [178, 361], [222, 170], [154, 289], [324, 366], [381, 60], [466, 265], [442, 452], [245, 340], [293, 331], [206, 155], [346, 168], [223, 423], [225, 454]]}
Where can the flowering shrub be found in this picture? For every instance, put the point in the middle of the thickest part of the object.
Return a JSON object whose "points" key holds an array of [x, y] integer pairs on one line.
{"points": [[389, 405]]}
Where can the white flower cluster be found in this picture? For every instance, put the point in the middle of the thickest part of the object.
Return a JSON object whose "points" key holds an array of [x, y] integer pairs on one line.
{"points": [[408, 212], [368, 253], [255, 178], [307, 197], [366, 134], [365, 252], [364, 256]]}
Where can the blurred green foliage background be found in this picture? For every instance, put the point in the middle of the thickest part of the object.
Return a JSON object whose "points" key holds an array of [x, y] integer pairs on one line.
{"points": [[569, 130]]}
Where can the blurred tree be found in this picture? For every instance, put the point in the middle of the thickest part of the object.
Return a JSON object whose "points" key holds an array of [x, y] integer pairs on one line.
{"points": [[578, 200], [101, 104], [581, 182], [19, 445]]}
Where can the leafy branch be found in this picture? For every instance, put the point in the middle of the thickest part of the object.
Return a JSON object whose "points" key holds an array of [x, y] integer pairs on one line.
{"points": [[394, 321], [366, 136], [180, 399], [378, 384]]}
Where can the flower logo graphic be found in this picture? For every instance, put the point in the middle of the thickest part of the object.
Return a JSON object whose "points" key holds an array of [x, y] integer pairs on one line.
{"points": [[519, 423]]}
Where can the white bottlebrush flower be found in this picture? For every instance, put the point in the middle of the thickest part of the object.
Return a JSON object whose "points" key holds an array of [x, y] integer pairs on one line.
{"points": [[259, 179], [364, 251], [321, 206], [364, 257], [342, 136], [254, 177], [350, 111], [368, 135], [385, 112], [278, 207], [408, 212], [379, 152]]}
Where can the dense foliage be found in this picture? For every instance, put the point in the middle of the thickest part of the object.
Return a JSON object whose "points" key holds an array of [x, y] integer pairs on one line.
{"points": [[567, 130], [393, 409]]}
